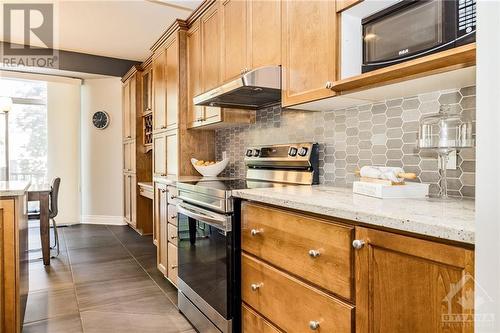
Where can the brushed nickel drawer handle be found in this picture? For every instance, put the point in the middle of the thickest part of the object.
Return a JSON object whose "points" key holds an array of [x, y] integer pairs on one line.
{"points": [[173, 266], [255, 232], [314, 253], [163, 174], [313, 325], [358, 244], [256, 286], [173, 196], [173, 216]]}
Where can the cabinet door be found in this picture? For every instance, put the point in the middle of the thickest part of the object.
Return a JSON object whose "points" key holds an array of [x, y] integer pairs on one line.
{"points": [[195, 84], [127, 204], [146, 90], [404, 284], [172, 83], [133, 106], [172, 153], [309, 32], [210, 48], [160, 154], [172, 263], [126, 110], [159, 91], [264, 33], [234, 38], [160, 208], [129, 156], [162, 225], [133, 201]]}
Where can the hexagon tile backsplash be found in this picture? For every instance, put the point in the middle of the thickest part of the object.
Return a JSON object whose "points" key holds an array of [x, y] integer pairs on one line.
{"points": [[382, 133]]}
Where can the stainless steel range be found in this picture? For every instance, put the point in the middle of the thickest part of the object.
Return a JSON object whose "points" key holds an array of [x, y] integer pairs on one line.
{"points": [[209, 237]]}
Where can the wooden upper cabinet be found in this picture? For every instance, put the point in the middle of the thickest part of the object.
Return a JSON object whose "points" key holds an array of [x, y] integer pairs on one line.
{"points": [[147, 93], [264, 33], [210, 48], [195, 84], [159, 91], [127, 134], [172, 82], [160, 154], [404, 284], [233, 14], [309, 54]]}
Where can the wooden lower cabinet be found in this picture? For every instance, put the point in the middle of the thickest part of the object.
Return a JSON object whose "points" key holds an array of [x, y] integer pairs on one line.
{"points": [[14, 272], [291, 304], [405, 284], [252, 322], [399, 283], [172, 263]]}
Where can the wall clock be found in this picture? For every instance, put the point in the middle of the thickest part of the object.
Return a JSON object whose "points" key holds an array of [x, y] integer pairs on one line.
{"points": [[100, 119]]}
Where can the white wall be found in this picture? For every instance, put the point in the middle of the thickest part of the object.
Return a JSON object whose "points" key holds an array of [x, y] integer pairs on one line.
{"points": [[487, 166], [63, 122], [101, 150]]}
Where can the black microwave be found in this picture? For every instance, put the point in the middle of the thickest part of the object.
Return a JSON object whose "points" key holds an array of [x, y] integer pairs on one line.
{"points": [[411, 29]]}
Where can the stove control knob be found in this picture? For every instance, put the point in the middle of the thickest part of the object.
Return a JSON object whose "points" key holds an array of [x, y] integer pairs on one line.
{"points": [[256, 153], [249, 152], [303, 151], [293, 151]]}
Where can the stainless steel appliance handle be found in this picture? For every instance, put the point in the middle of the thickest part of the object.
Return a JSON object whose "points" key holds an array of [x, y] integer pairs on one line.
{"points": [[214, 220]]}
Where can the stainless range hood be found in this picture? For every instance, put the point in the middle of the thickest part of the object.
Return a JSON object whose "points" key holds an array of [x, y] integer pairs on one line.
{"points": [[254, 90]]}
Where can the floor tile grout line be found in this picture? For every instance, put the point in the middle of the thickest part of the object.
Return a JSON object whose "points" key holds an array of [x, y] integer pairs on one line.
{"points": [[119, 240], [74, 284]]}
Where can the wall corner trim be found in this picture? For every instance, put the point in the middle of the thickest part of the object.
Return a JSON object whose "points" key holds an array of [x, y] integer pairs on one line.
{"points": [[102, 219]]}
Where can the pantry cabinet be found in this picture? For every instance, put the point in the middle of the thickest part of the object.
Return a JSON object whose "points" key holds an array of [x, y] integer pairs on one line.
{"points": [[334, 276], [309, 50], [136, 163], [405, 284]]}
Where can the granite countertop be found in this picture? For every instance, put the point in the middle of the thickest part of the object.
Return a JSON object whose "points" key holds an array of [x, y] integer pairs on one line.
{"points": [[173, 179], [13, 188], [451, 220]]}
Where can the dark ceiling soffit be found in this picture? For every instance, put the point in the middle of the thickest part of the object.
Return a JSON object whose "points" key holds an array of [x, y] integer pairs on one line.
{"points": [[89, 63]]}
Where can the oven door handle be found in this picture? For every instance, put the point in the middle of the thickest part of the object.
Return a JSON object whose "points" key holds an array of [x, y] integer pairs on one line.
{"points": [[195, 213]]}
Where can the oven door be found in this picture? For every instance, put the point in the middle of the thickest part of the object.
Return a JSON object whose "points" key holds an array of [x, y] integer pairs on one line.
{"points": [[407, 30], [205, 260]]}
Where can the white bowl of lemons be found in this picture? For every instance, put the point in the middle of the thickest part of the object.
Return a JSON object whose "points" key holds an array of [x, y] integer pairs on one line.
{"points": [[209, 168]]}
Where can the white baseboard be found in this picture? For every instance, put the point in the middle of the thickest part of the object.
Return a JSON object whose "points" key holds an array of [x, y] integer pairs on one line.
{"points": [[102, 219]]}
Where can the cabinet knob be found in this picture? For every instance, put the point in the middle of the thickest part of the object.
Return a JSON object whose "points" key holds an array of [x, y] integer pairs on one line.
{"points": [[173, 196], [328, 85], [173, 216], [163, 174], [173, 266], [173, 237], [314, 253], [358, 244], [163, 190], [255, 232], [256, 286], [313, 325]]}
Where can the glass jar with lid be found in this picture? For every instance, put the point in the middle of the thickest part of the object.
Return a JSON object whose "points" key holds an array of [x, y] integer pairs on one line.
{"points": [[445, 132]]}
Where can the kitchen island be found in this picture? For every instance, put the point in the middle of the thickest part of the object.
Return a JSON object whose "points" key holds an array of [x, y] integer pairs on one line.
{"points": [[13, 255]]}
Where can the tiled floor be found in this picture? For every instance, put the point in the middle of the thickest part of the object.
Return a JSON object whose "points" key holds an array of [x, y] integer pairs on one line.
{"points": [[104, 280]]}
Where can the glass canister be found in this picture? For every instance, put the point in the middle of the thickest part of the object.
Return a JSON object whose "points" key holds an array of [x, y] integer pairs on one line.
{"points": [[445, 132]]}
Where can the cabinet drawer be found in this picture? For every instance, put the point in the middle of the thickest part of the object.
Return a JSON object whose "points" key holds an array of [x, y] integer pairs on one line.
{"points": [[252, 322], [172, 195], [172, 234], [270, 291], [146, 192], [172, 263], [172, 214], [311, 248]]}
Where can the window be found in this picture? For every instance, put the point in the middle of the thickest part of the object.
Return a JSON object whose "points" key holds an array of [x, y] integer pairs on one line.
{"points": [[23, 127]]}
